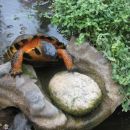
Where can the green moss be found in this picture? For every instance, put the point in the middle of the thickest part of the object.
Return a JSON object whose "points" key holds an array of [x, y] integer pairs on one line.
{"points": [[76, 111]]}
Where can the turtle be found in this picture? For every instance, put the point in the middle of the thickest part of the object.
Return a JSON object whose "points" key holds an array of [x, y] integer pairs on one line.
{"points": [[36, 49]]}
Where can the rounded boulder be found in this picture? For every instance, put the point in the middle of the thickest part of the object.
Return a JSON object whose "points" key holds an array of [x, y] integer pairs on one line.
{"points": [[75, 93]]}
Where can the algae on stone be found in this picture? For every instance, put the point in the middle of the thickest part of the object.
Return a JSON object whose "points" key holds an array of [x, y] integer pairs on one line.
{"points": [[75, 93]]}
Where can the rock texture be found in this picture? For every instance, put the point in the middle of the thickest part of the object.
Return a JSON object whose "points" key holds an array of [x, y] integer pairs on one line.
{"points": [[24, 93], [20, 123], [75, 93], [92, 63]]}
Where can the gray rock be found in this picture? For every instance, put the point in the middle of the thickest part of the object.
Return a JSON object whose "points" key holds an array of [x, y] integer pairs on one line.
{"points": [[4, 70], [92, 63], [24, 93], [75, 93], [36, 106], [20, 123]]}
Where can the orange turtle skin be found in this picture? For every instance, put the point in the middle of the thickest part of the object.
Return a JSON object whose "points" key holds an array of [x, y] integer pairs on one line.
{"points": [[36, 48]]}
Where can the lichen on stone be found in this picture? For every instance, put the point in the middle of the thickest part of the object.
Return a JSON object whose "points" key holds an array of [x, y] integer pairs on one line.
{"points": [[75, 93]]}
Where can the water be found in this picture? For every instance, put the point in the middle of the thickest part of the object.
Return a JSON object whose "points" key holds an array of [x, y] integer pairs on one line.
{"points": [[117, 121], [20, 17]]}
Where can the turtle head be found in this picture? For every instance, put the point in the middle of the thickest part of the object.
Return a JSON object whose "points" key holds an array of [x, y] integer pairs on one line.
{"points": [[49, 49]]}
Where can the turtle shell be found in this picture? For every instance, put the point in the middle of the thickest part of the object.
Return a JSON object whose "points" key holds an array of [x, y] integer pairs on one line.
{"points": [[33, 50], [45, 54], [16, 44], [22, 37]]}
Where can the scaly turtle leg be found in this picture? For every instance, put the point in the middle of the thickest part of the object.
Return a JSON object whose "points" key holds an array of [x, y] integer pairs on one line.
{"points": [[62, 53], [16, 63]]}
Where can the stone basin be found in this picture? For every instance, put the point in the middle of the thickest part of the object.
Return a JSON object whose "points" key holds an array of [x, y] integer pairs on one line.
{"points": [[26, 93]]}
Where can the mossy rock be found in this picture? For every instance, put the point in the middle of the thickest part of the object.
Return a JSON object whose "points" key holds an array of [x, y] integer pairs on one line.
{"points": [[75, 93]]}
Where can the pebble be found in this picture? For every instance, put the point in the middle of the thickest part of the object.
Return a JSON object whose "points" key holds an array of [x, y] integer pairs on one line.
{"points": [[5, 126], [76, 93]]}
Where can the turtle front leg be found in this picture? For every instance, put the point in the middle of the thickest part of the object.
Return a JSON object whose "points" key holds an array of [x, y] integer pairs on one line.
{"points": [[62, 53], [16, 63]]}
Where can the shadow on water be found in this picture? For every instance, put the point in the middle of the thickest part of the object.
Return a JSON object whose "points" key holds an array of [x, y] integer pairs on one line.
{"points": [[20, 17]]}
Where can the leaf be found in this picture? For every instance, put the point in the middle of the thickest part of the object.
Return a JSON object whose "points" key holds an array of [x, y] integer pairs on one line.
{"points": [[106, 25]]}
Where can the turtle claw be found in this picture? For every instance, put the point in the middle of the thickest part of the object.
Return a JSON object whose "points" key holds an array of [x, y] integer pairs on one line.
{"points": [[15, 73]]}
